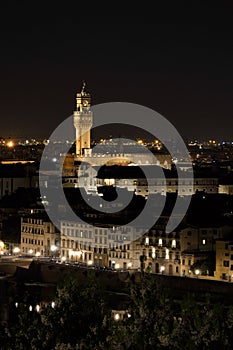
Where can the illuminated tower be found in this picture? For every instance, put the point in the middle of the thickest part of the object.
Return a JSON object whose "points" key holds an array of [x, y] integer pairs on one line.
{"points": [[83, 121]]}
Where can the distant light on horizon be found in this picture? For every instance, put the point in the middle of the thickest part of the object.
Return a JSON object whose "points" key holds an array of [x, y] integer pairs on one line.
{"points": [[10, 144]]}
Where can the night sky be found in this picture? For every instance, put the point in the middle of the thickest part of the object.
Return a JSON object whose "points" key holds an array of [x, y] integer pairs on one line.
{"points": [[178, 61]]}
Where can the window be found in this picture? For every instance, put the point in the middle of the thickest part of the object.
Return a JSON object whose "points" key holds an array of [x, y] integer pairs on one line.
{"points": [[173, 243], [147, 240], [226, 263], [160, 242], [231, 256], [177, 268], [224, 277], [203, 241], [183, 261]]}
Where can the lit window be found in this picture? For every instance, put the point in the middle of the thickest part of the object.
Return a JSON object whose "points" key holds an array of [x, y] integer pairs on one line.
{"points": [[160, 242], [203, 241], [173, 243], [147, 240], [153, 253], [167, 254]]}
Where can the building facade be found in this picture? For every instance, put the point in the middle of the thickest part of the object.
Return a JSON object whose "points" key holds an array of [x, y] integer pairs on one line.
{"points": [[224, 260], [39, 237]]}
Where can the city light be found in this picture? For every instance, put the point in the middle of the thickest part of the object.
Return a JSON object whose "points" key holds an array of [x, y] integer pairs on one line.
{"points": [[117, 317], [10, 144], [16, 250], [162, 268], [53, 248]]}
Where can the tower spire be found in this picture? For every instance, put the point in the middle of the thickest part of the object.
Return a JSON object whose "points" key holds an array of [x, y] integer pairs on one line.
{"points": [[83, 87]]}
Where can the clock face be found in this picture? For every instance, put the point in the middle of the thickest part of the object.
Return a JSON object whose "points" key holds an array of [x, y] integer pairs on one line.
{"points": [[85, 103]]}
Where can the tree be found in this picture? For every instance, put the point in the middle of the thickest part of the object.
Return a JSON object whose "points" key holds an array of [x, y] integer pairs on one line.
{"points": [[77, 318], [81, 320]]}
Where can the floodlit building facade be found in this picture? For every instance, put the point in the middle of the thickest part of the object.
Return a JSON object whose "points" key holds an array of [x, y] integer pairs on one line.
{"points": [[39, 237]]}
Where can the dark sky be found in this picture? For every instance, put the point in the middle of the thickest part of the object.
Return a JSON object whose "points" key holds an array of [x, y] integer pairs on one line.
{"points": [[178, 61]]}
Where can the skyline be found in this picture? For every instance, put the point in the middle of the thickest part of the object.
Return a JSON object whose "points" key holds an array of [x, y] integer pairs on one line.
{"points": [[180, 66]]}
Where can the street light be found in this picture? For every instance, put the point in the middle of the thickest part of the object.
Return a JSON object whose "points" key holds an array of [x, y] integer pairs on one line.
{"points": [[197, 272], [116, 317], [16, 250], [53, 248], [162, 268]]}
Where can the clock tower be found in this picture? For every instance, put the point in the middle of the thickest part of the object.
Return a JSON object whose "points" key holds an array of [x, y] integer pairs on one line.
{"points": [[83, 121]]}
